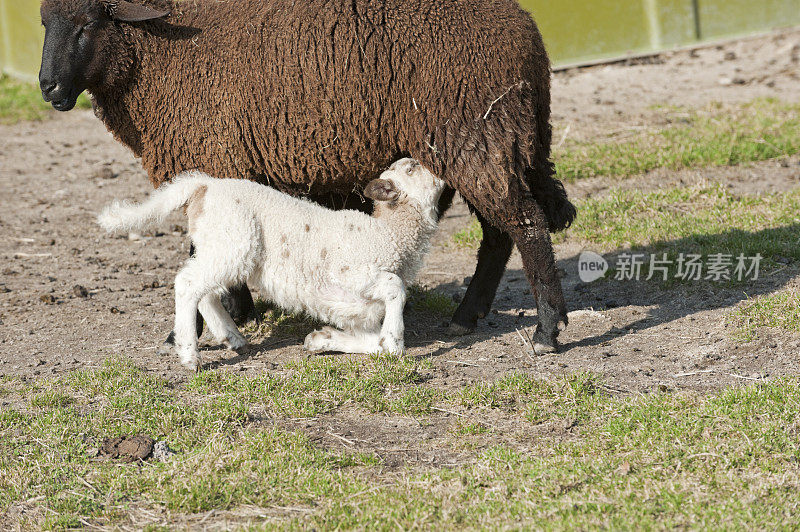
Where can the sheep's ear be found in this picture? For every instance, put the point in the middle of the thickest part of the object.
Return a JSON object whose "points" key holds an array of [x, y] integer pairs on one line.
{"points": [[381, 190], [124, 11]]}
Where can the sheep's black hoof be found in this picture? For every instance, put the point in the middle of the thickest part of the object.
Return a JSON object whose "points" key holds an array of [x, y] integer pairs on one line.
{"points": [[457, 329], [239, 304], [543, 342], [168, 347]]}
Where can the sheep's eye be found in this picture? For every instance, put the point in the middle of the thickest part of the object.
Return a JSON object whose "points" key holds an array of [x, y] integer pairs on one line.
{"points": [[87, 26]]}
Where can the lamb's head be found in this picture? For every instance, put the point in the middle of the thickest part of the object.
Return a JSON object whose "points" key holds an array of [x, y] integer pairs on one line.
{"points": [[82, 43], [407, 181]]}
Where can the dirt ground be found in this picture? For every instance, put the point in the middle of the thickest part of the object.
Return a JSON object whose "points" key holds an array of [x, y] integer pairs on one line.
{"points": [[71, 296]]}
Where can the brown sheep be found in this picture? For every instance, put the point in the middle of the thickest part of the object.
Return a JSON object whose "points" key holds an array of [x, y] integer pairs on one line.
{"points": [[317, 97]]}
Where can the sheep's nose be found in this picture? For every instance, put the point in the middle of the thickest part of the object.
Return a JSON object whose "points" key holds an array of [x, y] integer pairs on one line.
{"points": [[48, 87]]}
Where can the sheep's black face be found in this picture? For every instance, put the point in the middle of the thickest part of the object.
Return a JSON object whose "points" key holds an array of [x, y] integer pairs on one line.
{"points": [[69, 58], [79, 42]]}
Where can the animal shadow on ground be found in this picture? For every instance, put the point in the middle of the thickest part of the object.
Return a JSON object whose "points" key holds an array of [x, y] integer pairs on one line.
{"points": [[669, 300], [514, 307]]}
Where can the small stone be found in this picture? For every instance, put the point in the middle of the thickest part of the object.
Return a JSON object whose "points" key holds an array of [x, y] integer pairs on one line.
{"points": [[730, 56], [105, 172], [80, 291], [162, 452], [47, 299]]}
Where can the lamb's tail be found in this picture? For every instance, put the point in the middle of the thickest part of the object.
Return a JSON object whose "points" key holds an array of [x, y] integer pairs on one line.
{"points": [[126, 216]]}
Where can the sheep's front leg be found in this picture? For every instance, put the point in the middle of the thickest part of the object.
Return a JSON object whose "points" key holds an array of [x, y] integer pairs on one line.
{"points": [[390, 289], [220, 322]]}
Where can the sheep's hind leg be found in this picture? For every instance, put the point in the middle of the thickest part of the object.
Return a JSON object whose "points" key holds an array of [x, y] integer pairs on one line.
{"points": [[220, 323], [238, 302], [493, 256], [526, 222]]}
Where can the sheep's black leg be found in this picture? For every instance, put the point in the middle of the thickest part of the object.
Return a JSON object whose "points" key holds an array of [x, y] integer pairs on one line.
{"points": [[445, 200], [239, 304], [528, 226], [493, 256]]}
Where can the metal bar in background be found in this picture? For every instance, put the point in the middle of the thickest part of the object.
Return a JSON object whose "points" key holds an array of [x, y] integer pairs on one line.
{"points": [[698, 26]]}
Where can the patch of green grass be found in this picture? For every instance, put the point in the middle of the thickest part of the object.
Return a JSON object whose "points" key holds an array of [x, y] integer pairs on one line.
{"points": [[23, 101], [51, 399], [280, 323], [469, 429], [470, 236], [701, 220], [416, 400], [322, 384], [780, 310], [697, 220], [728, 460], [481, 394], [645, 462], [717, 135], [431, 301]]}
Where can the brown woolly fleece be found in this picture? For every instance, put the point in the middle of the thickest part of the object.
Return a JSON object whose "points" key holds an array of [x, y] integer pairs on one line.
{"points": [[319, 96]]}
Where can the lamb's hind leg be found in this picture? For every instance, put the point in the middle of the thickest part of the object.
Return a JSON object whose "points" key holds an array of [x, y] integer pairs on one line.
{"points": [[205, 275], [189, 290], [220, 322]]}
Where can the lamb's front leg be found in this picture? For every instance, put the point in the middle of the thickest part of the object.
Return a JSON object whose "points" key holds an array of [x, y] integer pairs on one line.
{"points": [[390, 289]]}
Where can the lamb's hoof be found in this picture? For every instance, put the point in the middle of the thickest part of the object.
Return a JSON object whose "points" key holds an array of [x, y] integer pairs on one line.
{"points": [[391, 345], [192, 361], [318, 341], [235, 341], [456, 329]]}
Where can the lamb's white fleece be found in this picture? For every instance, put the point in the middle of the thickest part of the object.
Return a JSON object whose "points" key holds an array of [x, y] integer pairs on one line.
{"points": [[343, 267]]}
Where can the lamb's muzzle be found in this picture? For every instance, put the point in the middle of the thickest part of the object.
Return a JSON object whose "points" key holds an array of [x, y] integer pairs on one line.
{"points": [[345, 268]]}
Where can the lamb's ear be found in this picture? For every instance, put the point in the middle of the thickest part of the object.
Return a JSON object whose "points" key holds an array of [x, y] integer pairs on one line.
{"points": [[124, 11], [381, 190]]}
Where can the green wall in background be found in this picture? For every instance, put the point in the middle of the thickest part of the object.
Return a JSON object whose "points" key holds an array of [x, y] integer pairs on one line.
{"points": [[574, 31], [21, 38], [736, 17]]}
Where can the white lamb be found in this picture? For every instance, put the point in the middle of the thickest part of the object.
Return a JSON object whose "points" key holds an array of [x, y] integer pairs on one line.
{"points": [[345, 268]]}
